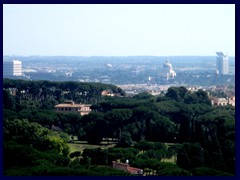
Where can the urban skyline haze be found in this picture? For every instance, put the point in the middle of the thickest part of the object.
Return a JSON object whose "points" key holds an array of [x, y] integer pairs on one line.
{"points": [[118, 30]]}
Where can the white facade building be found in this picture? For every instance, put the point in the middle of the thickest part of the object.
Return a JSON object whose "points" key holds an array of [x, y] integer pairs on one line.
{"points": [[222, 63], [223, 101], [12, 68], [167, 71], [71, 107]]}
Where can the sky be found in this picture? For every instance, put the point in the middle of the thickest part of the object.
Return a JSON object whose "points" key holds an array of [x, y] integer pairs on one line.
{"points": [[118, 30]]}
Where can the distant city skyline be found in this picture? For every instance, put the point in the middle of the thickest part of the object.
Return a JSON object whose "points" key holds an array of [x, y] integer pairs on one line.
{"points": [[118, 30]]}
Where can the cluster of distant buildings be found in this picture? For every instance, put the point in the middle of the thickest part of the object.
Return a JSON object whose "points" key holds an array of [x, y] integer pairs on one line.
{"points": [[222, 66], [14, 67]]}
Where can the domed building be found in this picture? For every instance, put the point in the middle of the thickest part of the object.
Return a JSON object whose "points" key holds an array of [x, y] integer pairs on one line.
{"points": [[108, 65], [167, 71]]}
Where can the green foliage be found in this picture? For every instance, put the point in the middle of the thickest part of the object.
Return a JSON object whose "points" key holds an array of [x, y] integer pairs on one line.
{"points": [[122, 154], [177, 117], [8, 100], [190, 156], [180, 94], [159, 168], [47, 93], [168, 169], [24, 132], [125, 140], [9, 114], [145, 145], [153, 154], [205, 171], [191, 98], [16, 155], [203, 97], [96, 156], [21, 160], [69, 123], [163, 129], [167, 108], [143, 95], [75, 154], [115, 103], [64, 136], [95, 127], [116, 120]]}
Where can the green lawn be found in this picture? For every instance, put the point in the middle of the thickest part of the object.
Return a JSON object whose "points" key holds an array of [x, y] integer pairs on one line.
{"points": [[173, 160], [81, 145]]}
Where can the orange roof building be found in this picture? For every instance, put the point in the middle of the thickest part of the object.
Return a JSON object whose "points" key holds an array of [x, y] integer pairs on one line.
{"points": [[71, 107], [126, 167]]}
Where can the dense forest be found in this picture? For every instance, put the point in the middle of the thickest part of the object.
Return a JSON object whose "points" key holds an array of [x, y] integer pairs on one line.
{"points": [[146, 128]]}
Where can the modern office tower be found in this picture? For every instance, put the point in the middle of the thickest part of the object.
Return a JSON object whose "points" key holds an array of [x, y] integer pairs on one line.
{"points": [[222, 63], [12, 68]]}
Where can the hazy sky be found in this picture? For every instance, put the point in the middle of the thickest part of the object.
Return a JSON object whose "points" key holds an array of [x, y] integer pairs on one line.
{"points": [[118, 30]]}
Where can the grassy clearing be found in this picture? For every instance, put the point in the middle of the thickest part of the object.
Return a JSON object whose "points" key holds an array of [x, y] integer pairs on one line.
{"points": [[173, 159], [81, 145]]}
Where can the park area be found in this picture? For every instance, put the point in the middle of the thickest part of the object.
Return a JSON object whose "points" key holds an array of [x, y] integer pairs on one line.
{"points": [[81, 145]]}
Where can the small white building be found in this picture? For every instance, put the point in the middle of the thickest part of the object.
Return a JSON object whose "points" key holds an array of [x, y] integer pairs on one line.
{"points": [[220, 102], [223, 101], [231, 101], [108, 93]]}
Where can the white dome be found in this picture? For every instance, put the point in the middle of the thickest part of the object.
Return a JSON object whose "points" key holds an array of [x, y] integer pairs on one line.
{"points": [[167, 65], [167, 70], [108, 65]]}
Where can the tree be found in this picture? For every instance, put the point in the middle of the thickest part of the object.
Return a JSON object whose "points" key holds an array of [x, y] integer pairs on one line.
{"points": [[26, 160], [169, 169], [173, 93], [96, 156], [27, 133], [9, 114], [143, 95], [163, 129], [125, 140], [8, 100], [95, 127], [184, 130], [143, 116], [116, 120], [182, 92], [190, 98], [205, 171], [190, 156], [203, 97]]}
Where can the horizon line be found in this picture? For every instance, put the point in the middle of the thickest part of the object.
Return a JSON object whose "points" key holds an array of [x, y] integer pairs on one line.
{"points": [[104, 55]]}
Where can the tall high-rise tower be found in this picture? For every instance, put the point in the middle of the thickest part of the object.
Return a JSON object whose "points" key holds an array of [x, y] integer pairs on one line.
{"points": [[222, 63], [12, 68]]}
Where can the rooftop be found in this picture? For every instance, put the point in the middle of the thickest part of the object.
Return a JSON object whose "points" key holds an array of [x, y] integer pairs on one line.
{"points": [[72, 105]]}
